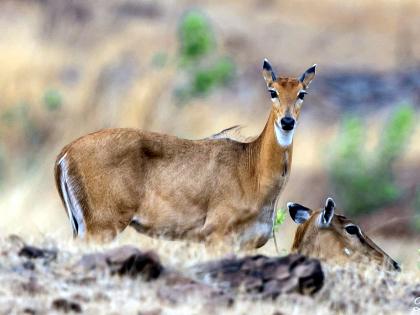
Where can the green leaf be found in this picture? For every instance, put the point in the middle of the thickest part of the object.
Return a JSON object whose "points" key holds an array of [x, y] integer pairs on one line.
{"points": [[52, 100], [280, 218]]}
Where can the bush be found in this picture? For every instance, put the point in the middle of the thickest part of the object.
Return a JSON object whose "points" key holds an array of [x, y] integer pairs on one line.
{"points": [[195, 36], [206, 79], [52, 100], [363, 181], [205, 69]]}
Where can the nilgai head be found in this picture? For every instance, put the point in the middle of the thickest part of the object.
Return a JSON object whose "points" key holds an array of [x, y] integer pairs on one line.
{"points": [[334, 238], [287, 95]]}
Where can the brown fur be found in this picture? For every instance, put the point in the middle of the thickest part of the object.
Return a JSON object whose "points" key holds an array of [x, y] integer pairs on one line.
{"points": [[330, 243], [181, 189]]}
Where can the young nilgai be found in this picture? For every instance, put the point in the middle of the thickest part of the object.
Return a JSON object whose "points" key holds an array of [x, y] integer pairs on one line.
{"points": [[334, 238]]}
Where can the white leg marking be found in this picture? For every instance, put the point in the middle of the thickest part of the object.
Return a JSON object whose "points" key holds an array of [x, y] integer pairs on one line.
{"points": [[72, 204], [256, 231], [261, 228], [284, 138]]}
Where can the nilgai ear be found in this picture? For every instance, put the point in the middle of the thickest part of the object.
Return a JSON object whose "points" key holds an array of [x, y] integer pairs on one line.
{"points": [[300, 214], [308, 76], [268, 73], [328, 212]]}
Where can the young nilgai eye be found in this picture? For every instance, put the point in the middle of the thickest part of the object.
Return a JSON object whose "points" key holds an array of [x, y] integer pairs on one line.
{"points": [[273, 93], [352, 229], [302, 94]]}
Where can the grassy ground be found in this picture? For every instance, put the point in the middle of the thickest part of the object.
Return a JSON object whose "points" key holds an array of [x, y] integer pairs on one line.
{"points": [[36, 289], [99, 58]]}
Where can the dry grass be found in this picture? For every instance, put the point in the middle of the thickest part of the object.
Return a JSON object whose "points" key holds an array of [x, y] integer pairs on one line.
{"points": [[346, 290], [39, 50]]}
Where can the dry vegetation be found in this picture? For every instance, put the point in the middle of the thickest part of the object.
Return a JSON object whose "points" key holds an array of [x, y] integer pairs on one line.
{"points": [[36, 286], [99, 57]]}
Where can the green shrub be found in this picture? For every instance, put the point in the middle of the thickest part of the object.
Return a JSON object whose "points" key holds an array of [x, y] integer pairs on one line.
{"points": [[15, 114], [218, 74], [52, 100], [199, 58], [363, 181], [196, 36]]}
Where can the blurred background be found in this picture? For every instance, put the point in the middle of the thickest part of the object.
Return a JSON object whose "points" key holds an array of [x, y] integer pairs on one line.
{"points": [[69, 67]]}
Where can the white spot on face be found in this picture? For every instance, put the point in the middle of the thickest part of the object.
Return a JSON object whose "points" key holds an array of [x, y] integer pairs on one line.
{"points": [[347, 251], [284, 138]]}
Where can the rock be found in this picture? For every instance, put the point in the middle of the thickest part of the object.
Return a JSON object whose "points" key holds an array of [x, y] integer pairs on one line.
{"points": [[66, 306], [29, 265], [264, 276], [33, 252], [92, 262], [135, 9], [125, 261], [29, 311], [147, 265], [178, 287], [32, 286], [351, 89], [219, 280], [151, 312]]}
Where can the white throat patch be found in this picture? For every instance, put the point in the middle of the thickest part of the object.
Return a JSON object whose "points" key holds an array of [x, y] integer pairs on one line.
{"points": [[284, 138]]}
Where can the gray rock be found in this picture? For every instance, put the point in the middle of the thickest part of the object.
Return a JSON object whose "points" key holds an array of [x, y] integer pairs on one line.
{"points": [[125, 261], [265, 276]]}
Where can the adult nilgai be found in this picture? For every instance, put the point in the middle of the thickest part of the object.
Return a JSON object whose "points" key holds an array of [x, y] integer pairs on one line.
{"points": [[183, 189]]}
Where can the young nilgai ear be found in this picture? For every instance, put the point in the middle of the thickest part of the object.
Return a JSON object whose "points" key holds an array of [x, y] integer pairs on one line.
{"points": [[268, 73], [300, 214], [328, 212], [308, 76]]}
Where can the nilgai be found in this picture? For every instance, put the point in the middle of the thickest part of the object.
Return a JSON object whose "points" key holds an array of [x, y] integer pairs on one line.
{"points": [[333, 237], [199, 190]]}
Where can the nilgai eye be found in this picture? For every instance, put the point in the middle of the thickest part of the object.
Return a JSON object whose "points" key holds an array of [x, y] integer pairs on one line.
{"points": [[302, 94], [273, 93], [352, 229]]}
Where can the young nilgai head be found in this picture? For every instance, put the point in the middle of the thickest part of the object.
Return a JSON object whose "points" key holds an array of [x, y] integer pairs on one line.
{"points": [[334, 238]]}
